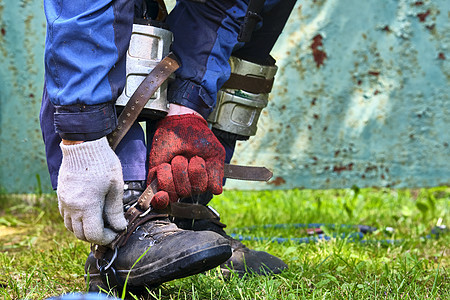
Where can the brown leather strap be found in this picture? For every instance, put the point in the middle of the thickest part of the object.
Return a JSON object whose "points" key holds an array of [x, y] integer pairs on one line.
{"points": [[162, 11], [194, 212], [249, 84], [147, 195], [247, 172], [191, 211], [99, 250], [140, 97]]}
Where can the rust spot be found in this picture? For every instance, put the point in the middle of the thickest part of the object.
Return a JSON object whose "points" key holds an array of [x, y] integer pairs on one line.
{"points": [[309, 127], [339, 169], [31, 95], [376, 92], [370, 168], [423, 16], [318, 54], [374, 73], [382, 176], [411, 136], [418, 3], [313, 102], [325, 128], [278, 181], [3, 31], [386, 28], [363, 176], [315, 158], [337, 153], [316, 116], [441, 55], [359, 82], [326, 168]]}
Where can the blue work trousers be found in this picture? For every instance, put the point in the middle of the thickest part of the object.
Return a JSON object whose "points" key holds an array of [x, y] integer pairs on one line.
{"points": [[80, 92]]}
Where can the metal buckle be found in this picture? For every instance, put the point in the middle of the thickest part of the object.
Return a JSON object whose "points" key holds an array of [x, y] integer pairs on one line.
{"points": [[109, 264], [213, 211], [145, 212]]}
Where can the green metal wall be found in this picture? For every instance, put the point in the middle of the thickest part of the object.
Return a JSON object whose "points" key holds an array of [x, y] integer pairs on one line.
{"points": [[361, 97], [22, 34]]}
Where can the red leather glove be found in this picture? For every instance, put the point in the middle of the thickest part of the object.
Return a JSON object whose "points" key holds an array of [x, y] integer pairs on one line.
{"points": [[186, 158]]}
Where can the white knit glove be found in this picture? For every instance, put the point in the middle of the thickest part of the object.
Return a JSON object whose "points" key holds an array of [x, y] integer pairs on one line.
{"points": [[90, 189]]}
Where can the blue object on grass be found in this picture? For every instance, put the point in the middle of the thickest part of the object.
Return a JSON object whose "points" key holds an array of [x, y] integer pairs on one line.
{"points": [[81, 296]]}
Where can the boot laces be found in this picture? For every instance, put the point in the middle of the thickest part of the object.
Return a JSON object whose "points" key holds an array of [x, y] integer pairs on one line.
{"points": [[157, 230]]}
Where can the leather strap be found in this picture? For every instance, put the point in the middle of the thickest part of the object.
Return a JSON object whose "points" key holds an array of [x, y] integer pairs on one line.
{"points": [[140, 97], [147, 195], [194, 212], [99, 250], [230, 171], [247, 173], [249, 84], [191, 211], [252, 17]]}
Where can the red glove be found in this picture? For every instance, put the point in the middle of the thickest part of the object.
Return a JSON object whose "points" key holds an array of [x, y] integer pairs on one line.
{"points": [[186, 159]]}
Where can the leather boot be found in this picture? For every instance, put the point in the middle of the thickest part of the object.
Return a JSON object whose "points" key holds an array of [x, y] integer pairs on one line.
{"points": [[170, 253], [199, 217]]}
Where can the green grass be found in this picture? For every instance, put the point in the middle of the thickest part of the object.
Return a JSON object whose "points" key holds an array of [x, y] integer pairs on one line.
{"points": [[39, 258]]}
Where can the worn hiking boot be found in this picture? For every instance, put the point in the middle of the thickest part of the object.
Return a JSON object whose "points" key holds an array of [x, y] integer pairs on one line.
{"points": [[167, 251], [154, 252], [243, 261]]}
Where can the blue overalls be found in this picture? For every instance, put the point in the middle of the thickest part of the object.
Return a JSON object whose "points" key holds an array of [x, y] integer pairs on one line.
{"points": [[85, 51]]}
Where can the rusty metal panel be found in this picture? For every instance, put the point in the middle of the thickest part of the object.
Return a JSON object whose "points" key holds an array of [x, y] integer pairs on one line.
{"points": [[22, 34], [361, 97]]}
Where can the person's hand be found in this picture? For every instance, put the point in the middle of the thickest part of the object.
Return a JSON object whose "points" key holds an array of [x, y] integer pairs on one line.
{"points": [[186, 159], [90, 191]]}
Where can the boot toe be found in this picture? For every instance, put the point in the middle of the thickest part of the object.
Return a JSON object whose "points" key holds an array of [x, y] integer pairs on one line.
{"points": [[247, 261]]}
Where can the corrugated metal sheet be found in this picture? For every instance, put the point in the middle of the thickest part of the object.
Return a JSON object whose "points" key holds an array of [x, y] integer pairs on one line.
{"points": [[361, 97]]}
